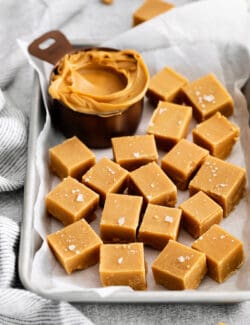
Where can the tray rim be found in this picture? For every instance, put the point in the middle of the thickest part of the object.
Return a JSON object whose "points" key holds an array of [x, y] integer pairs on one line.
{"points": [[26, 246]]}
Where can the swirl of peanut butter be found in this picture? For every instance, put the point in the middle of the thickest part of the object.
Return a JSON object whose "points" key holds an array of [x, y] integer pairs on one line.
{"points": [[100, 81]]}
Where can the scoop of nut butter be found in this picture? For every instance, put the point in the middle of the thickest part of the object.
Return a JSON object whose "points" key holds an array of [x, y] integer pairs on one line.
{"points": [[97, 93]]}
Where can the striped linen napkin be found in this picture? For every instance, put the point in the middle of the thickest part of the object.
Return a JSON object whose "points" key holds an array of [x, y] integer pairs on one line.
{"points": [[17, 305]]}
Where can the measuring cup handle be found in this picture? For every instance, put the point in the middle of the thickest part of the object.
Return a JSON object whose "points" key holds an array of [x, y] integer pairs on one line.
{"points": [[50, 47]]}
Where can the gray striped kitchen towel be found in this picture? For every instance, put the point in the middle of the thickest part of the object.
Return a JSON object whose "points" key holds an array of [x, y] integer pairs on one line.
{"points": [[17, 18]]}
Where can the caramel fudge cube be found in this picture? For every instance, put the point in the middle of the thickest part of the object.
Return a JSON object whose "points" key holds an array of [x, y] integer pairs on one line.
{"points": [[106, 177], [207, 96], [123, 265], [199, 213], [165, 86], [76, 246], [149, 9], [169, 124], [120, 218], [70, 201], [70, 158], [222, 181], [179, 267], [159, 224], [182, 161], [153, 184], [132, 152], [224, 252], [217, 134]]}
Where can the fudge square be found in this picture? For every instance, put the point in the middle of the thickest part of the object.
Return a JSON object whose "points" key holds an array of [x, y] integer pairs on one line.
{"points": [[70, 158], [223, 251], [120, 218], [199, 213], [106, 177], [123, 265], [182, 161], [131, 152], [70, 201], [179, 267], [169, 124], [165, 86], [217, 134], [76, 246], [153, 184], [207, 96], [149, 9], [222, 181], [159, 224]]}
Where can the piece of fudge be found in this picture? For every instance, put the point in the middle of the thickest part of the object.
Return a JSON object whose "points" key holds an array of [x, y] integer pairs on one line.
{"points": [[165, 86], [150, 9], [199, 213], [159, 225], [224, 252], [76, 246], [70, 158], [179, 267], [106, 177], [217, 134], [120, 218], [207, 96], [153, 184], [124, 265], [131, 152], [182, 162], [70, 201], [222, 181], [169, 124]]}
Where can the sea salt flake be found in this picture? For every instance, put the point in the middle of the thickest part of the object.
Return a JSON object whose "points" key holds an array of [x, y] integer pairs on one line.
{"points": [[168, 219], [111, 170], [75, 191], [179, 122], [181, 259], [136, 154], [120, 260], [162, 110], [197, 93], [72, 247], [121, 221], [78, 252], [208, 98], [149, 197], [79, 198], [201, 237], [222, 185], [152, 185], [222, 236]]}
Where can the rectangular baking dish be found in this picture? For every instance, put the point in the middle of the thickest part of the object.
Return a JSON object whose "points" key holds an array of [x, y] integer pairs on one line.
{"points": [[30, 241]]}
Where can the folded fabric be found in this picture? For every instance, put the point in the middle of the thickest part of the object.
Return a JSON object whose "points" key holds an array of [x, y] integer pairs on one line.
{"points": [[13, 145], [18, 306]]}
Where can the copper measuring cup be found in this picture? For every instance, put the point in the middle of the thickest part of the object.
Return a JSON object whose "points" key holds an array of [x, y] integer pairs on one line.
{"points": [[95, 130]]}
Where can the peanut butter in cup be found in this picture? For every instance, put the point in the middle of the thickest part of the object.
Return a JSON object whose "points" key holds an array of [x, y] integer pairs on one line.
{"points": [[98, 83]]}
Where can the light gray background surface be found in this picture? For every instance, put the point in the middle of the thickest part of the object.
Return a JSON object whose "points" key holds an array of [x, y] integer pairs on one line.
{"points": [[94, 22]]}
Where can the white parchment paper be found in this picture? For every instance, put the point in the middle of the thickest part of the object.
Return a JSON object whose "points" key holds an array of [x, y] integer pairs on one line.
{"points": [[208, 36]]}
